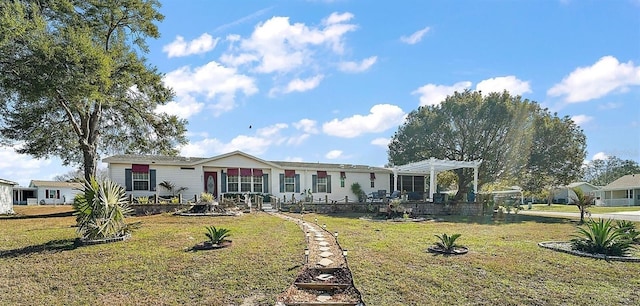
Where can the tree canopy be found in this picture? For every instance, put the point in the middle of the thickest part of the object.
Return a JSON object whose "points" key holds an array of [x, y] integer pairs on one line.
{"points": [[601, 172], [516, 139], [73, 83]]}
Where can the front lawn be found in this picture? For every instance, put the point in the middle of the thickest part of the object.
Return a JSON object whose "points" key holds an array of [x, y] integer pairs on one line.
{"points": [[388, 260], [574, 209]]}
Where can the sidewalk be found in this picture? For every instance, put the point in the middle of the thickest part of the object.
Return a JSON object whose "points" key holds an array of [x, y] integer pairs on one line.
{"points": [[627, 215]]}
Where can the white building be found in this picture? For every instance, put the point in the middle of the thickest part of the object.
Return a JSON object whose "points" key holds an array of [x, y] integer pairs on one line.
{"points": [[624, 191], [6, 193], [53, 192], [239, 173]]}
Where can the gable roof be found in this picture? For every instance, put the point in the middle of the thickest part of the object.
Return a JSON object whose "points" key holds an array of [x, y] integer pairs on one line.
{"points": [[578, 184], [629, 181], [7, 182], [55, 184], [191, 161]]}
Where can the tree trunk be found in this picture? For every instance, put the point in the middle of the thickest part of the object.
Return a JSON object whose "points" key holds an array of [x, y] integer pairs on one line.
{"points": [[90, 155]]}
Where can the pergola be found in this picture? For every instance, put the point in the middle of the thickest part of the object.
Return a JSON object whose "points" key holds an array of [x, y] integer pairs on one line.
{"points": [[434, 166]]}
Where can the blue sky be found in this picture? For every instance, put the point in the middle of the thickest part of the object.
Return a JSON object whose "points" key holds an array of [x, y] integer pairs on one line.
{"points": [[331, 81]]}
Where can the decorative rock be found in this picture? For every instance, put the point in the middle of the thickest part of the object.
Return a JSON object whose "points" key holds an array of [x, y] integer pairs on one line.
{"points": [[326, 254], [325, 262], [324, 277], [324, 249], [323, 297]]}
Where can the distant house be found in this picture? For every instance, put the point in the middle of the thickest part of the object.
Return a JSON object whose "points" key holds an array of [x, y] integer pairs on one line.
{"points": [[624, 191], [238, 173], [54, 192], [565, 194], [6, 192]]}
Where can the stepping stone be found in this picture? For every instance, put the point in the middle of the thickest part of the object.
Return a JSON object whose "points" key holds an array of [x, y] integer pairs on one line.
{"points": [[326, 254], [324, 277], [323, 243], [325, 262], [324, 249], [323, 297], [319, 235], [319, 239]]}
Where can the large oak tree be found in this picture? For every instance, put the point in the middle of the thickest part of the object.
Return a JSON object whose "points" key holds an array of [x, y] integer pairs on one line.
{"points": [[73, 82], [501, 130]]}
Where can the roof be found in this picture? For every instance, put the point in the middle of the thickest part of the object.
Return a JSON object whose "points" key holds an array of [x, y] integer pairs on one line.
{"points": [[190, 161], [7, 182], [630, 181], [578, 184], [437, 165], [56, 184]]}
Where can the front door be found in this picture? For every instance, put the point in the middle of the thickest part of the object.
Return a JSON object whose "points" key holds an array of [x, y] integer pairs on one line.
{"points": [[210, 183]]}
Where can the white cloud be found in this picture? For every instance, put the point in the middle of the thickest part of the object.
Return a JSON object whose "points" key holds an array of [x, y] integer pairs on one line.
{"points": [[381, 142], [21, 168], [303, 85], [416, 37], [256, 145], [297, 140], [600, 155], [333, 154], [605, 76], [306, 125], [609, 105], [499, 84], [218, 85], [355, 67], [432, 94], [380, 118], [581, 119], [185, 107], [279, 46], [179, 47]]}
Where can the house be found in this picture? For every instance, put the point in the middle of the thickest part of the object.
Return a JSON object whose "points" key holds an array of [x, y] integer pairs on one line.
{"points": [[624, 191], [49, 192], [239, 173], [6, 192], [565, 194]]}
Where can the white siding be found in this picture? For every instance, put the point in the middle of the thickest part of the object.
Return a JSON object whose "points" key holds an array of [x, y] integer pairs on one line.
{"points": [[6, 199], [66, 195]]}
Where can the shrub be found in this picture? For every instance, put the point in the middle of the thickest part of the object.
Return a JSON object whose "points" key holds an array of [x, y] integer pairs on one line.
{"points": [[602, 237], [216, 235], [206, 197], [447, 243], [629, 229], [142, 200], [101, 210]]}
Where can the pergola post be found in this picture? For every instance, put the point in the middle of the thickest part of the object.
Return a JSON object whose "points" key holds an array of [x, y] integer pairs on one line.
{"points": [[432, 182], [475, 180]]}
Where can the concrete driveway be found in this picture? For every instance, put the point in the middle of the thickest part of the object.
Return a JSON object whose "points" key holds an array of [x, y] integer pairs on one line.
{"points": [[627, 215]]}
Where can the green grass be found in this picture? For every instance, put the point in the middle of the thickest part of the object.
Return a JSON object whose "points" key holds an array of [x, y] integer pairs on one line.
{"points": [[389, 262], [574, 209]]}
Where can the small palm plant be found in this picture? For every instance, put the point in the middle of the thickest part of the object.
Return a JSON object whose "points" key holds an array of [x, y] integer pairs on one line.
{"points": [[216, 235], [101, 210], [447, 243], [629, 228], [582, 201], [602, 237]]}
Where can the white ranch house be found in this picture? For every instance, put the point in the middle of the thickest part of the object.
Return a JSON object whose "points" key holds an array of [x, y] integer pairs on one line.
{"points": [[240, 173], [46, 193], [624, 191], [6, 191]]}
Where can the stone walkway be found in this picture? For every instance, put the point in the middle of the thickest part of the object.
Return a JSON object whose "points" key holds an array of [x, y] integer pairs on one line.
{"points": [[325, 257]]}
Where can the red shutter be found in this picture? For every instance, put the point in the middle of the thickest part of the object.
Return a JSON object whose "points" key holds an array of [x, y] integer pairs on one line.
{"points": [[372, 175], [232, 172], [289, 173], [322, 174], [140, 168], [257, 172], [245, 172]]}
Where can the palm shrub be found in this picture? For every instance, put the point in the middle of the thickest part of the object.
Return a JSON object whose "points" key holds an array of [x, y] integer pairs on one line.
{"points": [[101, 209], [629, 228], [582, 201], [217, 235], [602, 237], [206, 197], [447, 243]]}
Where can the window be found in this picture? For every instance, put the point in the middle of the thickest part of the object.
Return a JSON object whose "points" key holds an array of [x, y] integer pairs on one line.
{"points": [[140, 180], [257, 183], [53, 194], [232, 183], [289, 184], [343, 176], [372, 176], [321, 185], [245, 183], [629, 194]]}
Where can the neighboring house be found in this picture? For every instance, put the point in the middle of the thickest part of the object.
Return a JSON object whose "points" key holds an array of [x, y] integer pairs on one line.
{"points": [[565, 194], [6, 194], [624, 191], [54, 192], [238, 173]]}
